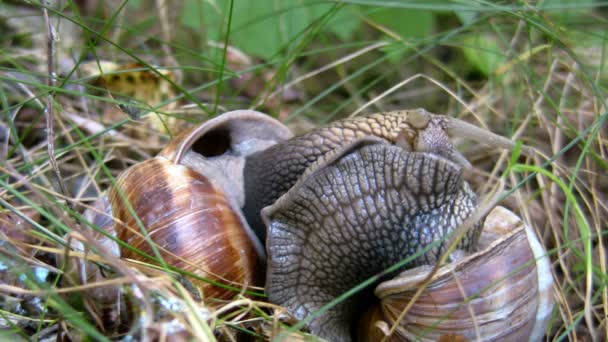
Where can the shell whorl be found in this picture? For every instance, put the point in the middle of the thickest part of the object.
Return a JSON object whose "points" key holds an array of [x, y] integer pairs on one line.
{"points": [[186, 201], [208, 239]]}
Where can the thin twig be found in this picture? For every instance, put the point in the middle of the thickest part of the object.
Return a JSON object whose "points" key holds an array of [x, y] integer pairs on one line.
{"points": [[164, 7], [12, 289], [50, 134]]}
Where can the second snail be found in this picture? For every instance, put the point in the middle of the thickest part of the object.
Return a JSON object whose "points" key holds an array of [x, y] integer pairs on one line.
{"points": [[241, 201]]}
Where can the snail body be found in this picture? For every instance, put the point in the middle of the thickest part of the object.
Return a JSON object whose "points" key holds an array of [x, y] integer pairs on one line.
{"points": [[355, 215], [350, 199], [270, 173]]}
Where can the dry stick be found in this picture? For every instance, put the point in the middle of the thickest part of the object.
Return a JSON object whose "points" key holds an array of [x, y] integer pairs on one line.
{"points": [[27, 154], [488, 203], [165, 18], [51, 147], [50, 135], [16, 290]]}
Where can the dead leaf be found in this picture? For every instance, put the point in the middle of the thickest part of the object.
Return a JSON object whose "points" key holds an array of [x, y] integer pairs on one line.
{"points": [[136, 85]]}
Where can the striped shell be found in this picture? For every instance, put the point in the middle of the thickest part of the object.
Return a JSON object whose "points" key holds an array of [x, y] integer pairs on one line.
{"points": [[190, 221], [501, 293], [185, 203]]}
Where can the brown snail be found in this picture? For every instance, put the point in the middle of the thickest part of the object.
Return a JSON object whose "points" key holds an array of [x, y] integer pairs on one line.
{"points": [[333, 206], [353, 205], [356, 214], [272, 172]]}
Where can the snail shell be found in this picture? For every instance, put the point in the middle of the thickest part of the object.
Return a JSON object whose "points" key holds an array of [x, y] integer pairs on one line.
{"points": [[190, 221], [503, 292], [187, 202]]}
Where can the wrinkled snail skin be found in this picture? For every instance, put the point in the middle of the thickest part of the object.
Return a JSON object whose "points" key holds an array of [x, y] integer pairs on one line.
{"points": [[270, 173], [354, 215]]}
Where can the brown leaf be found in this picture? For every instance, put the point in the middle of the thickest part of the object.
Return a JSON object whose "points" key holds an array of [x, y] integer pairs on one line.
{"points": [[138, 84]]}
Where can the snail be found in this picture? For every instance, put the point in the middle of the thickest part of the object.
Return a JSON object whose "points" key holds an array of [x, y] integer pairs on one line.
{"points": [[272, 172], [188, 197], [352, 216], [355, 197], [330, 207]]}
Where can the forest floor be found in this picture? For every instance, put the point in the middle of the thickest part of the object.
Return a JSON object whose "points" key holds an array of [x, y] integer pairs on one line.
{"points": [[90, 88]]}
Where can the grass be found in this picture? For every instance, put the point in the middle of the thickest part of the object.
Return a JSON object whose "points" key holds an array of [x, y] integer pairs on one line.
{"points": [[532, 71]]}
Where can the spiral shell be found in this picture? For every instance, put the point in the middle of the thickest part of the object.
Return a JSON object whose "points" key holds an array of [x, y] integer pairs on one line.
{"points": [[503, 292], [189, 220], [185, 203]]}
